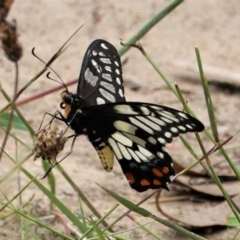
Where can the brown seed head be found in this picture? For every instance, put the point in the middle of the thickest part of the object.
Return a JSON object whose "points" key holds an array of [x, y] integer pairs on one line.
{"points": [[49, 143]]}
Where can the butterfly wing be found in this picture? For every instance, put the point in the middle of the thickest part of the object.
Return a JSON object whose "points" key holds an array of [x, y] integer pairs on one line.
{"points": [[137, 134], [100, 79]]}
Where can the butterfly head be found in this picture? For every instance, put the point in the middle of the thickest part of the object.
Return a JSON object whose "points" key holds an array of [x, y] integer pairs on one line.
{"points": [[69, 102], [67, 98]]}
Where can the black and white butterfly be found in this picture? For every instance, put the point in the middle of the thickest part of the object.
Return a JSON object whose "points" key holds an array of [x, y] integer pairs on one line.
{"points": [[134, 132]]}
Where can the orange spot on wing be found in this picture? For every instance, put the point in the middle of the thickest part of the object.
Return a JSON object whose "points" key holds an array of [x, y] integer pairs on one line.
{"points": [[156, 182], [157, 172], [165, 170], [129, 177], [145, 182]]}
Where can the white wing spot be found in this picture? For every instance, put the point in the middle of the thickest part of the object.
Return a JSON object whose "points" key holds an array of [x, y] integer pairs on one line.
{"points": [[94, 53], [108, 86], [103, 45], [105, 60], [117, 71], [115, 148], [174, 130], [118, 80], [189, 126], [136, 139], [90, 78], [167, 113], [94, 63], [101, 54], [145, 152], [124, 152], [167, 134], [125, 127], [107, 76], [141, 156], [116, 63], [160, 155], [144, 110], [152, 140], [122, 139], [183, 115], [162, 140], [97, 140], [141, 125], [158, 121], [166, 120], [107, 68], [124, 109], [107, 95], [102, 144], [100, 101], [156, 107], [182, 128], [149, 123], [169, 116], [134, 155], [120, 92]]}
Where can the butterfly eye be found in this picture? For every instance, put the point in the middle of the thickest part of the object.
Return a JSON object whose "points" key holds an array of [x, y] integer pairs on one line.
{"points": [[67, 99]]}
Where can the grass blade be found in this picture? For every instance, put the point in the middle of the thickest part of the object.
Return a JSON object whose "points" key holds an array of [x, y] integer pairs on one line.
{"points": [[149, 25]]}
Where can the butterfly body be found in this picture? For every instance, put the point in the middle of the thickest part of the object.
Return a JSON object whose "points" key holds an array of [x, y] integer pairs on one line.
{"points": [[134, 132]]}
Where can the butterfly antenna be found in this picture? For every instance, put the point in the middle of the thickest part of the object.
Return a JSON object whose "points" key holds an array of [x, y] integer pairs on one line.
{"points": [[60, 82], [46, 64]]}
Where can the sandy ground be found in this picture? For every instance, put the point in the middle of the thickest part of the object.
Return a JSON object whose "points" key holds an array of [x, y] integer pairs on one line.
{"points": [[213, 26]]}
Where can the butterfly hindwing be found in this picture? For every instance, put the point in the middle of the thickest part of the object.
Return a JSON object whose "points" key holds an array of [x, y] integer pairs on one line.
{"points": [[137, 133], [100, 79], [152, 174]]}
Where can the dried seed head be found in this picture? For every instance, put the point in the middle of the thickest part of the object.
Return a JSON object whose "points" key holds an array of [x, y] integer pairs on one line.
{"points": [[49, 143], [4, 8], [9, 37]]}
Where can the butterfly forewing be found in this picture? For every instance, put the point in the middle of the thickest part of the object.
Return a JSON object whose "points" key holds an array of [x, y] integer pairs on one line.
{"points": [[100, 79]]}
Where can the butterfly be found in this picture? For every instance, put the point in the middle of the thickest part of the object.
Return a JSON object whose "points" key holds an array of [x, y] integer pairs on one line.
{"points": [[135, 133]]}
